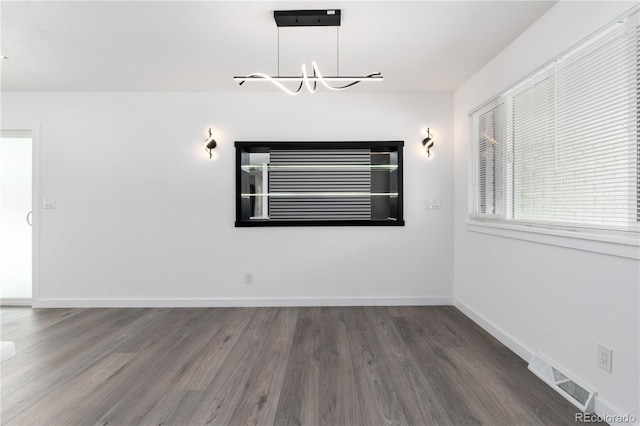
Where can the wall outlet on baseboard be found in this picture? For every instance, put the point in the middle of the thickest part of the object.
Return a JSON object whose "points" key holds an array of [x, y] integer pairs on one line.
{"points": [[604, 358], [248, 278]]}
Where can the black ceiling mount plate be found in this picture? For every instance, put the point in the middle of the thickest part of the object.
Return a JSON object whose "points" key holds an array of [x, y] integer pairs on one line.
{"points": [[307, 18]]}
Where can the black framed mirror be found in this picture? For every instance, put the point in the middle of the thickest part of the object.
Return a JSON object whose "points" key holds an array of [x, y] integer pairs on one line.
{"points": [[319, 183]]}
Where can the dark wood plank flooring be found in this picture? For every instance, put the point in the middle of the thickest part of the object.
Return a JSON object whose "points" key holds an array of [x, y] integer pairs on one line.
{"points": [[265, 366]]}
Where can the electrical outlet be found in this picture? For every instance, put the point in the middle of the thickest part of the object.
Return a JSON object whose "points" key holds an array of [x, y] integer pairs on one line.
{"points": [[248, 278], [604, 358]]}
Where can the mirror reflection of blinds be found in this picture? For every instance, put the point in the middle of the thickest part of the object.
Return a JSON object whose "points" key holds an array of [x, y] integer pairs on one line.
{"points": [[355, 181], [562, 146]]}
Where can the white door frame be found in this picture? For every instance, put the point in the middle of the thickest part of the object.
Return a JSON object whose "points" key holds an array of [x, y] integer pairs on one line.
{"points": [[8, 128]]}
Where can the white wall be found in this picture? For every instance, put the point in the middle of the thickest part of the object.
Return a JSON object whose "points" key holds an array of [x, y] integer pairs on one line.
{"points": [[536, 296], [144, 218]]}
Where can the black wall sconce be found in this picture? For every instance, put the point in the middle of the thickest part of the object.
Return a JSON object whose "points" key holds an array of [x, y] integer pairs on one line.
{"points": [[210, 143], [428, 142]]}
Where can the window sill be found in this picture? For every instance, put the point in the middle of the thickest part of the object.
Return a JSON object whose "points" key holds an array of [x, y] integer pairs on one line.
{"points": [[592, 241]]}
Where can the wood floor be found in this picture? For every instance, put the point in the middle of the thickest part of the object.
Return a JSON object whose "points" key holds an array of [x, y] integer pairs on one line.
{"points": [[264, 366]]}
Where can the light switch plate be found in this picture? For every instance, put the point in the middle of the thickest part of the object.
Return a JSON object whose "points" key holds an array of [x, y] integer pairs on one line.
{"points": [[48, 203], [432, 203]]}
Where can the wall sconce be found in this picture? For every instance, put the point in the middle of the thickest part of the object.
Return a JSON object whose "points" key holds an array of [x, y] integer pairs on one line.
{"points": [[428, 143], [210, 143]]}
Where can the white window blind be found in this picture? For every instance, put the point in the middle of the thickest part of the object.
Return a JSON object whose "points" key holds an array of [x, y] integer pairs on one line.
{"points": [[561, 148]]}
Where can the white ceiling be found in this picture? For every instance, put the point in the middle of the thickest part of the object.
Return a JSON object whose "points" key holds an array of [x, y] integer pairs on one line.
{"points": [[200, 45]]}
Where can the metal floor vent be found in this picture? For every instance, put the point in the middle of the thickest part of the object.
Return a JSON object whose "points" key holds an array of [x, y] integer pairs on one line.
{"points": [[560, 380]]}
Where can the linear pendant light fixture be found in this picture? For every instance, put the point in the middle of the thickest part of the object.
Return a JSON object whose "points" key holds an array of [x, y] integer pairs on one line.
{"points": [[309, 18]]}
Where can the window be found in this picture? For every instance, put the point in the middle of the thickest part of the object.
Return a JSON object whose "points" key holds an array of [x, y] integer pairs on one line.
{"points": [[318, 183], [561, 148]]}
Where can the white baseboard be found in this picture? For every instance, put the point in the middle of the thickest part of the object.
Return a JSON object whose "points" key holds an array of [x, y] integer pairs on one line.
{"points": [[241, 302], [521, 350], [600, 407], [15, 301]]}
